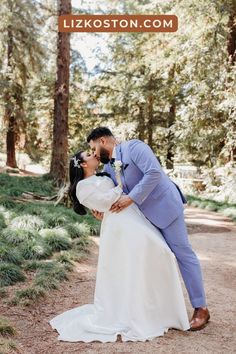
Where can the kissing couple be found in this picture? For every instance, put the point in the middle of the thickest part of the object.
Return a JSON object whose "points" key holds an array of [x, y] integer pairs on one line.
{"points": [[143, 237]]}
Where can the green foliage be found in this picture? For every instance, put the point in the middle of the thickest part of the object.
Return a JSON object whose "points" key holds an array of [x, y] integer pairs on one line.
{"points": [[6, 329], [3, 293], [17, 235], [29, 239], [82, 243], [7, 345], [10, 274], [50, 275], [212, 205], [9, 254], [34, 264], [78, 229], [32, 293], [65, 258], [21, 57], [93, 223], [15, 185], [56, 219], [33, 249], [2, 222], [56, 239], [27, 222], [7, 202]]}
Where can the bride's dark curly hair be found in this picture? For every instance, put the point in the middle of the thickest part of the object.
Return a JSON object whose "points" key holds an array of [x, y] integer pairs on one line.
{"points": [[76, 174]]}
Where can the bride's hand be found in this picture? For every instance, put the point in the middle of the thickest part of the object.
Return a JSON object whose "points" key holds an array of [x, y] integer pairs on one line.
{"points": [[121, 204], [97, 214]]}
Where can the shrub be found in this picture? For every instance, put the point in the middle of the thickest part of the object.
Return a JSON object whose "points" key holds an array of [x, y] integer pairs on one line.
{"points": [[81, 244], [9, 254], [7, 214], [16, 235], [56, 239], [8, 203], [3, 292], [230, 212], [33, 265], [31, 293], [10, 274], [50, 275], [56, 219], [2, 222], [211, 206], [27, 222], [78, 229], [46, 282], [64, 257], [6, 328], [34, 250], [78, 256]]}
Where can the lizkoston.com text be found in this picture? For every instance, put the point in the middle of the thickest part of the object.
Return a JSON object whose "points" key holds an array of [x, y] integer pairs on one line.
{"points": [[118, 23]]}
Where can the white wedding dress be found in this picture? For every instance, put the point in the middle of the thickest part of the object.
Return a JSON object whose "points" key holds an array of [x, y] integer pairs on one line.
{"points": [[138, 292]]}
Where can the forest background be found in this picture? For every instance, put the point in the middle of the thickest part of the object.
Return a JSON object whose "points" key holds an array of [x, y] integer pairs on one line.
{"points": [[175, 91]]}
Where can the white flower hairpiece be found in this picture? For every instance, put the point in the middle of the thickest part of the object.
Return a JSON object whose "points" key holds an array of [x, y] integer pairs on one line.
{"points": [[76, 162]]}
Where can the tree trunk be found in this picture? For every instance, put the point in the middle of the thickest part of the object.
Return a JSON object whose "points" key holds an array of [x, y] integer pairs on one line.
{"points": [[11, 140], [231, 45], [150, 120], [59, 161], [9, 116], [170, 153], [141, 122]]}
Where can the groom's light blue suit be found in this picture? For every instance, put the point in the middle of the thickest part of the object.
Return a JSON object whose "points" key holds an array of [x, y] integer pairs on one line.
{"points": [[161, 201]]}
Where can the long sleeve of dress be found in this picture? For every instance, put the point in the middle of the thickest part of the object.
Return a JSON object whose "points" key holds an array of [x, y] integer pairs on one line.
{"points": [[91, 196]]}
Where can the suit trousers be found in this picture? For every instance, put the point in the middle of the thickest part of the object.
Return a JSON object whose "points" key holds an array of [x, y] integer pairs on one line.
{"points": [[176, 237]]}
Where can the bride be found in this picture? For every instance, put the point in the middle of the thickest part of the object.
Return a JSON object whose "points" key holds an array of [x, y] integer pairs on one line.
{"points": [[138, 292]]}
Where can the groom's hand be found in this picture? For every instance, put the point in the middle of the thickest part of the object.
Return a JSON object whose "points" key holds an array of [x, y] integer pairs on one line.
{"points": [[121, 204], [97, 214]]}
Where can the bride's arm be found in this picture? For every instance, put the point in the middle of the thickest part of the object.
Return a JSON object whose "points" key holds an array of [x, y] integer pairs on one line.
{"points": [[93, 198]]}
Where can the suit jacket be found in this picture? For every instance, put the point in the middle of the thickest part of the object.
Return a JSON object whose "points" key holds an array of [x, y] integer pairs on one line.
{"points": [[144, 180]]}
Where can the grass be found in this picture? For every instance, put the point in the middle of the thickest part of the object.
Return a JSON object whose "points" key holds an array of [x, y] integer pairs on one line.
{"points": [[212, 205], [7, 254], [56, 239], [6, 328], [27, 222], [3, 292], [15, 185], [10, 274], [2, 222], [78, 229], [38, 239]]}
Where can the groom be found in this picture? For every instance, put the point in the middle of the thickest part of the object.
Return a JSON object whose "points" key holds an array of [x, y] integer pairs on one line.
{"points": [[160, 200]]}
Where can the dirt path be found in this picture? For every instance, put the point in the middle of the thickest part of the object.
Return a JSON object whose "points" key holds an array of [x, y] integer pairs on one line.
{"points": [[213, 237]]}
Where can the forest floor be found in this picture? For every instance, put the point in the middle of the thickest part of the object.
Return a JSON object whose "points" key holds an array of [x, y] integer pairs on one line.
{"points": [[213, 238]]}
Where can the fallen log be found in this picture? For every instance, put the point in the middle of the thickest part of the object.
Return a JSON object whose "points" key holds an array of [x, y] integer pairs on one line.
{"points": [[30, 195]]}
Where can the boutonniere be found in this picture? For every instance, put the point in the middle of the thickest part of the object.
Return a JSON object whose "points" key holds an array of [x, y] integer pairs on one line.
{"points": [[117, 165]]}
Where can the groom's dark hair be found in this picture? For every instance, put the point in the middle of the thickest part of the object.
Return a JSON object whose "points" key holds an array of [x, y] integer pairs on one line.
{"points": [[98, 133]]}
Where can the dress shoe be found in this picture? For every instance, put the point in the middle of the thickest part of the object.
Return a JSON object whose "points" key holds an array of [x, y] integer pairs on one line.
{"points": [[200, 318]]}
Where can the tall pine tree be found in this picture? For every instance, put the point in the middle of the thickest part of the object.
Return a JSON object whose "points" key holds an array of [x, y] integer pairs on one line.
{"points": [[59, 161], [22, 56]]}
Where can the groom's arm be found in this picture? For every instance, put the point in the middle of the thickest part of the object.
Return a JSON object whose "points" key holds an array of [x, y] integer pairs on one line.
{"points": [[144, 158]]}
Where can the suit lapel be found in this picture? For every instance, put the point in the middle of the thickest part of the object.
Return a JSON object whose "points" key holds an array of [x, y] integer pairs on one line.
{"points": [[119, 158], [118, 152]]}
